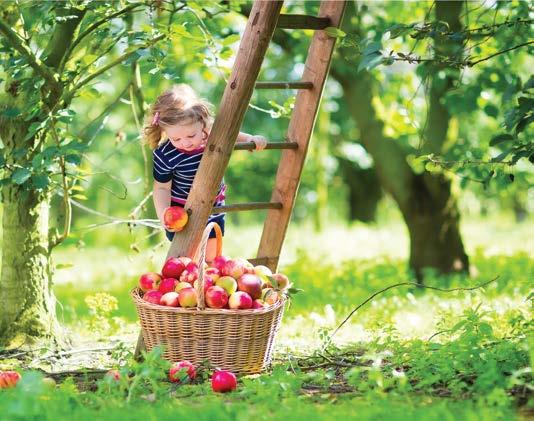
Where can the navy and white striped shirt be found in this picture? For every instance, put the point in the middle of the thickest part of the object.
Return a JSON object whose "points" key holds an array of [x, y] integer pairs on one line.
{"points": [[181, 167]]}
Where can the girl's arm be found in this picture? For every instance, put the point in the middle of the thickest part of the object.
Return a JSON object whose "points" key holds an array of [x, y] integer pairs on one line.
{"points": [[162, 198], [259, 141]]}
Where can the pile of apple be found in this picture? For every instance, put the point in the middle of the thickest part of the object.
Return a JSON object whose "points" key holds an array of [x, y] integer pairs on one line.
{"points": [[228, 283]]}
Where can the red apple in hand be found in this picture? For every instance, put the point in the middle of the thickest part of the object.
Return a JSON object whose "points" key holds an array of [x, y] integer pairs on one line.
{"points": [[173, 267], [251, 284], [175, 218], [223, 381], [153, 296], [181, 370], [240, 300], [216, 297], [149, 281], [9, 379]]}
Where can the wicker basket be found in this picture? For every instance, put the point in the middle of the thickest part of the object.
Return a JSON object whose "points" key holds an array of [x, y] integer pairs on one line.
{"points": [[237, 340]]}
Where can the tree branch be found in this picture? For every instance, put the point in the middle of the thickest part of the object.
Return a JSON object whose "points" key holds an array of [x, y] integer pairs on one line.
{"points": [[25, 51]]}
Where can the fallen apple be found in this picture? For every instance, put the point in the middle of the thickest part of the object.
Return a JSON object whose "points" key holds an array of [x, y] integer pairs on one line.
{"points": [[223, 381], [181, 371]]}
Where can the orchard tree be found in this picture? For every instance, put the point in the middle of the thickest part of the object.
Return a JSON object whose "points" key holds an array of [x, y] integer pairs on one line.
{"points": [[53, 54]]}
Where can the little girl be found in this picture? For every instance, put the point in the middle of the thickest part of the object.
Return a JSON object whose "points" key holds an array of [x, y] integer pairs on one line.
{"points": [[177, 129]]}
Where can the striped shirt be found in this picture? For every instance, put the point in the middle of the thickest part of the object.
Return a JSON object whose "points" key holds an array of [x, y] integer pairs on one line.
{"points": [[181, 167]]}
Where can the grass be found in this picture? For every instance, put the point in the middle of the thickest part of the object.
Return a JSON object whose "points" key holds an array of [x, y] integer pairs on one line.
{"points": [[408, 354]]}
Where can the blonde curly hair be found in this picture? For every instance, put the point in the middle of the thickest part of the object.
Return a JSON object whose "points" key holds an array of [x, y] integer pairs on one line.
{"points": [[177, 105]]}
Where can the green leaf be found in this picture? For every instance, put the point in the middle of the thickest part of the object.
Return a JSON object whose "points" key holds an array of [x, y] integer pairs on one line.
{"points": [[334, 32], [398, 30], [485, 329], [11, 112], [20, 175], [73, 159], [500, 138], [230, 39], [370, 62], [40, 181]]}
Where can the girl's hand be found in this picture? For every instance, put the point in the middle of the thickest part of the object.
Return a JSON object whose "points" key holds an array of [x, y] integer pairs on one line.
{"points": [[259, 141]]}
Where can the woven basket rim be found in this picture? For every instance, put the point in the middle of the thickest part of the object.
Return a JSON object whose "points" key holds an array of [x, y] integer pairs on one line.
{"points": [[135, 293]]}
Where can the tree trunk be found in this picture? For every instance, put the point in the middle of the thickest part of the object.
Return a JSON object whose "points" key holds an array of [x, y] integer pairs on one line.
{"points": [[26, 297], [425, 200]]}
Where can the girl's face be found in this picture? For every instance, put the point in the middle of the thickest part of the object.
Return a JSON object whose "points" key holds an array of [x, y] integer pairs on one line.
{"points": [[187, 137]]}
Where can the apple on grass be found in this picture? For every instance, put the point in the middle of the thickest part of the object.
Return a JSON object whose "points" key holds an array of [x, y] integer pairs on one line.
{"points": [[170, 299], [182, 371], [113, 374], [173, 267], [175, 218], [240, 300], [188, 297], [167, 285], [153, 296], [9, 379], [251, 284], [149, 280], [223, 381], [228, 283], [216, 297]]}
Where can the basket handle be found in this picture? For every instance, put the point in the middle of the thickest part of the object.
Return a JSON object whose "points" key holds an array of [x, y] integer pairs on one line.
{"points": [[201, 305]]}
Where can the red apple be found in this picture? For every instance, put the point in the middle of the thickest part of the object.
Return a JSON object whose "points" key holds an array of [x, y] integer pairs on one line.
{"points": [[170, 299], [173, 268], [181, 370], [258, 304], [149, 281], [208, 282], [190, 273], [216, 297], [188, 297], [270, 296], [234, 268], [213, 273], [281, 280], [250, 284], [223, 381], [153, 296], [181, 285], [9, 379], [115, 375], [228, 283], [167, 285], [175, 218], [240, 300], [219, 263]]}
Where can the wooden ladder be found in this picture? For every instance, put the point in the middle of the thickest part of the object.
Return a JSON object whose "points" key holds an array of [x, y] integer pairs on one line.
{"points": [[264, 18]]}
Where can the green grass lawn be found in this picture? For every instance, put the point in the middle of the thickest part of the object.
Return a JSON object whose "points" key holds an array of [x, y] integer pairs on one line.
{"points": [[408, 354]]}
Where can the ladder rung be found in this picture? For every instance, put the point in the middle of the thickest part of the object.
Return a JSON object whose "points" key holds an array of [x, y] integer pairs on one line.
{"points": [[284, 85], [266, 261], [302, 22], [247, 206], [248, 146]]}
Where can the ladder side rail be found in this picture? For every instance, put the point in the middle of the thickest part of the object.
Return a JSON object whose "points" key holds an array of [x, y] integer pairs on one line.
{"points": [[300, 130], [234, 104]]}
